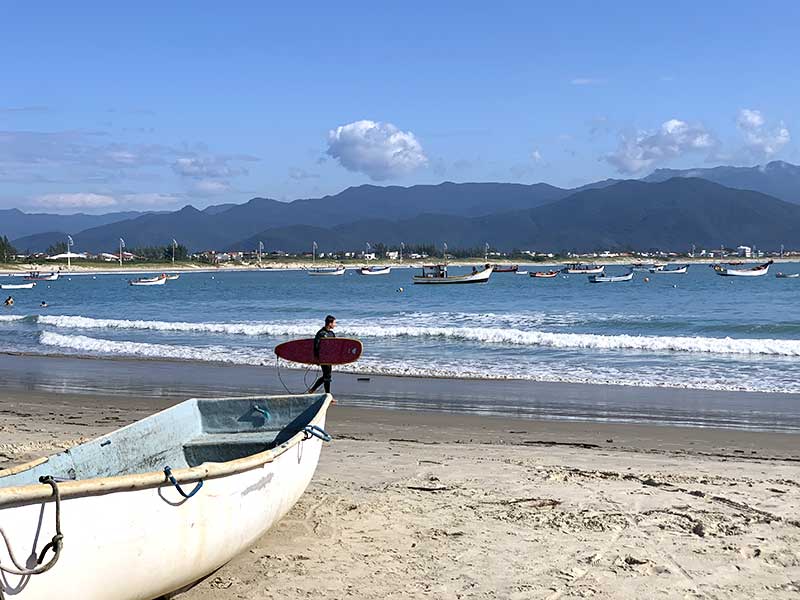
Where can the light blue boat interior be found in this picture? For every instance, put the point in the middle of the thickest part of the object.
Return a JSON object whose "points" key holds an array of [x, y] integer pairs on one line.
{"points": [[186, 435]]}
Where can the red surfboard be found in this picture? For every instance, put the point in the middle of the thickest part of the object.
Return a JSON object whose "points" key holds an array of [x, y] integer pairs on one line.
{"points": [[332, 351]]}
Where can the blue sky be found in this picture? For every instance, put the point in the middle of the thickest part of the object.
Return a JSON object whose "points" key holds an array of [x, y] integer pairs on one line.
{"points": [[156, 105]]}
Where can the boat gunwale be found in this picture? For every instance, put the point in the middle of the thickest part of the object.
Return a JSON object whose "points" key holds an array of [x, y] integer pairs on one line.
{"points": [[98, 486]]}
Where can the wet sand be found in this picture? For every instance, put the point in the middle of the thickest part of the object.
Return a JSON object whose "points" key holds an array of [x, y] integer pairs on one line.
{"points": [[428, 504]]}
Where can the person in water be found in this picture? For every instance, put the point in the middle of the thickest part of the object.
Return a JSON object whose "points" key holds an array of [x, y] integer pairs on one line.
{"points": [[43, 304], [9, 301], [327, 370]]}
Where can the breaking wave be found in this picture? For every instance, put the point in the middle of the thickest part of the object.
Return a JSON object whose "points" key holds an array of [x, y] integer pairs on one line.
{"points": [[482, 335]]}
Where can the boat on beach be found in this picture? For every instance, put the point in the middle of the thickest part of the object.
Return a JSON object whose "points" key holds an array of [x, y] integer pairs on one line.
{"points": [[437, 274], [755, 271], [544, 274], [376, 270], [154, 507], [583, 269], [160, 280], [670, 270], [326, 271], [611, 278], [18, 286]]}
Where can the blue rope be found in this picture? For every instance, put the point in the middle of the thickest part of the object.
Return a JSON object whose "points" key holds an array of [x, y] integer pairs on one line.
{"points": [[173, 481], [317, 432]]}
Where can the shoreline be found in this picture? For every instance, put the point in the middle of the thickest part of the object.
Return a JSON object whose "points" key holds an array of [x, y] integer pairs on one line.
{"points": [[299, 265], [543, 401]]}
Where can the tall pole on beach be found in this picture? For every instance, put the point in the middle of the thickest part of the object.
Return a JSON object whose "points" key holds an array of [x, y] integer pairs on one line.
{"points": [[121, 246], [260, 250], [70, 244], [174, 246], [402, 247], [313, 253]]}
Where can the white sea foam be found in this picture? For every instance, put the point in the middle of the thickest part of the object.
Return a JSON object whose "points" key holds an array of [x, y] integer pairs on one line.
{"points": [[143, 349], [9, 318], [481, 335], [459, 369]]}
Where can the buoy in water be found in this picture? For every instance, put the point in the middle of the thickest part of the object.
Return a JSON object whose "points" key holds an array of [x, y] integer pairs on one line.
{"points": [[646, 280], [399, 289]]}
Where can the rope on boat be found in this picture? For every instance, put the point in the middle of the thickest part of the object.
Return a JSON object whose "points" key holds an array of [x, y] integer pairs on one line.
{"points": [[262, 411], [316, 431], [168, 474], [55, 544]]}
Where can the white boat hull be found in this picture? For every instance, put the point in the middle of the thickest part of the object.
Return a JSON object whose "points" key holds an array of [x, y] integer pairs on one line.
{"points": [[145, 543], [681, 271], [17, 286], [326, 273], [479, 277], [159, 281], [597, 271], [385, 271], [725, 272]]}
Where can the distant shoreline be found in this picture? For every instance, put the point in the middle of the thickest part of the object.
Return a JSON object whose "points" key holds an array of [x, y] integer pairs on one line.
{"points": [[295, 265]]}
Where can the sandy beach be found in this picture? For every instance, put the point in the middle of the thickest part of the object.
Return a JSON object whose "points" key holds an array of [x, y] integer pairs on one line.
{"points": [[432, 504]]}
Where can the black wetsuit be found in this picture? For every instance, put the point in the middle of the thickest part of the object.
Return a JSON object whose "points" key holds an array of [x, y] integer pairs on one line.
{"points": [[325, 378]]}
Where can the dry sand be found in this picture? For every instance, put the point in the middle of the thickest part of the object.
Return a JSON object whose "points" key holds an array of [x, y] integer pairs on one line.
{"points": [[426, 505]]}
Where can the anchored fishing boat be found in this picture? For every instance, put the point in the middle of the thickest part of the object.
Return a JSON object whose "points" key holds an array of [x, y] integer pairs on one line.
{"points": [[18, 286], [755, 271], [435, 274], [160, 280], [670, 270], [611, 278], [36, 276], [503, 268], [544, 274], [154, 507], [173, 276], [328, 271], [583, 269], [377, 270], [787, 275]]}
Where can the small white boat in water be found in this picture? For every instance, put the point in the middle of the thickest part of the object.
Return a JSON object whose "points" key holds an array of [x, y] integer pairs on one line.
{"points": [[437, 274], [18, 286], [611, 278], [583, 269], [755, 271], [326, 271], [670, 270], [173, 277], [154, 507], [36, 276], [160, 280], [787, 275], [377, 270]]}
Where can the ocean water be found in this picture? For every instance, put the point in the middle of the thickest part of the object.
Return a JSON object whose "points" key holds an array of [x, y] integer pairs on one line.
{"points": [[689, 331]]}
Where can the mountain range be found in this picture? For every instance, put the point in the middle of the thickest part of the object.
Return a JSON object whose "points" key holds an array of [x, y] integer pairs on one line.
{"points": [[668, 209]]}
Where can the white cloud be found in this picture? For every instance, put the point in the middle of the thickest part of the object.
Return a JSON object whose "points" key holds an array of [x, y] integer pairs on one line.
{"points": [[379, 150], [210, 187], [645, 149], [206, 167], [78, 200], [761, 142], [587, 81]]}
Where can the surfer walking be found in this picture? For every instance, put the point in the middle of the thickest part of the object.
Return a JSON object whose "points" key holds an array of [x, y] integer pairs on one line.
{"points": [[327, 370]]}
